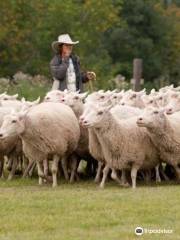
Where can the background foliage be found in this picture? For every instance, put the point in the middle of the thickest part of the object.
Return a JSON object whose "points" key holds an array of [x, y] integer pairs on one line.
{"points": [[111, 34]]}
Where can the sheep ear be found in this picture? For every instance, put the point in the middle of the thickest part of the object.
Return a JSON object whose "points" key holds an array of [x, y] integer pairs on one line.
{"points": [[2, 95], [83, 95], [37, 100], [23, 100], [143, 91], [115, 91], [15, 95], [101, 91], [66, 91]]}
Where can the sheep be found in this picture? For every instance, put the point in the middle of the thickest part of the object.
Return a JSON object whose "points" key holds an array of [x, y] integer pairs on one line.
{"points": [[29, 104], [54, 96], [164, 132], [149, 101], [11, 106], [133, 99], [15, 104], [119, 112], [124, 145], [4, 96], [11, 147], [174, 104], [75, 101], [45, 129]]}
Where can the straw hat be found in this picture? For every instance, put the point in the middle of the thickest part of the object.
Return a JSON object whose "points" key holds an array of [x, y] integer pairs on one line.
{"points": [[63, 38]]}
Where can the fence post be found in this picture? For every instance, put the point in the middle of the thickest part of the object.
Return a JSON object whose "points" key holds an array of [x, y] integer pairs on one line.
{"points": [[137, 73]]}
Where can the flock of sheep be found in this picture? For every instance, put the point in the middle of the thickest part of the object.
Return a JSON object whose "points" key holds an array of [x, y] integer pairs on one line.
{"points": [[127, 134]]}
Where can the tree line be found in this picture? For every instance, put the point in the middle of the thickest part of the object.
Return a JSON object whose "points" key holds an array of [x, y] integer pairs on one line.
{"points": [[111, 35]]}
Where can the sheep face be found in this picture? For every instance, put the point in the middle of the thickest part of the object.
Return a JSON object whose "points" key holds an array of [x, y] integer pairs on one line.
{"points": [[94, 117], [6, 97], [173, 106], [74, 100], [13, 125], [133, 99], [151, 118], [149, 101], [54, 96]]}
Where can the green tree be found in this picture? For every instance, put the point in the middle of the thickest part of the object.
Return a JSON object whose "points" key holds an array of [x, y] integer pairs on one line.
{"points": [[144, 32], [29, 27]]}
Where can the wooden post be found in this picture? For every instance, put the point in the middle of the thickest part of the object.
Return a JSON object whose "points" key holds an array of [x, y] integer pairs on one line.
{"points": [[137, 73]]}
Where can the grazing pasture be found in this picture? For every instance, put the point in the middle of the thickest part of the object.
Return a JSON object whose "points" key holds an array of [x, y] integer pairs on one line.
{"points": [[83, 211]]}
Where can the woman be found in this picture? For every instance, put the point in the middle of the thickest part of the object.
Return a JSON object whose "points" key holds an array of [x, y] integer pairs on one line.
{"points": [[65, 66]]}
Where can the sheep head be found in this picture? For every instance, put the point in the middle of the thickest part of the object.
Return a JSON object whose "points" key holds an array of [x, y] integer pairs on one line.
{"points": [[152, 118], [13, 125]]}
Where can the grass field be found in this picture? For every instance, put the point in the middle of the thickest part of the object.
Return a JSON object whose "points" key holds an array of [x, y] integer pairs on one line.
{"points": [[83, 211]]}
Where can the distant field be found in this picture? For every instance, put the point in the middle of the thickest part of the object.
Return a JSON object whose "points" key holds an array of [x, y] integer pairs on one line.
{"points": [[83, 211]]}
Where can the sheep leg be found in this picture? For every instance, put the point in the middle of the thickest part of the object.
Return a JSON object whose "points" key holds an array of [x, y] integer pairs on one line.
{"points": [[20, 163], [46, 167], [25, 162], [148, 176], [40, 172], [64, 167], [28, 168], [73, 168], [121, 181], [158, 178], [14, 166], [55, 169], [177, 169], [77, 177], [163, 173], [105, 173], [124, 181], [114, 176], [133, 176], [1, 166], [9, 163], [98, 174], [32, 169]]}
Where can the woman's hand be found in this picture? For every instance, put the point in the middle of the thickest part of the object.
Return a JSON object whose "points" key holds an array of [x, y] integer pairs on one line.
{"points": [[91, 75]]}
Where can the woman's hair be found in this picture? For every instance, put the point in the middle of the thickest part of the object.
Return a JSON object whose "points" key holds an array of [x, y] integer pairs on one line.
{"points": [[60, 48]]}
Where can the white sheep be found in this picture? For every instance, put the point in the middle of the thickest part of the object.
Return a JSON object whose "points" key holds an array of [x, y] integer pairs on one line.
{"points": [[133, 99], [54, 96], [124, 145], [4, 96], [165, 133], [46, 129], [75, 101]]}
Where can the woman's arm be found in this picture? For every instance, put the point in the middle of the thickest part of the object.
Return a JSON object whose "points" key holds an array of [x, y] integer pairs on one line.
{"points": [[58, 70]]}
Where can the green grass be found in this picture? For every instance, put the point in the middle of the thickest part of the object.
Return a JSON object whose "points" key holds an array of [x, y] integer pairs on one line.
{"points": [[83, 211]]}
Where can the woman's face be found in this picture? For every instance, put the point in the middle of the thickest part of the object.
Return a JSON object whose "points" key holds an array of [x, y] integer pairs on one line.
{"points": [[66, 50]]}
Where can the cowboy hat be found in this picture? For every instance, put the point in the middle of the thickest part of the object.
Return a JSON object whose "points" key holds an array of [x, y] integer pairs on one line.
{"points": [[63, 38]]}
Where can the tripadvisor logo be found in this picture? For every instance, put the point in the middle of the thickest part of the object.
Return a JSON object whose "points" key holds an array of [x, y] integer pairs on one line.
{"points": [[139, 231]]}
